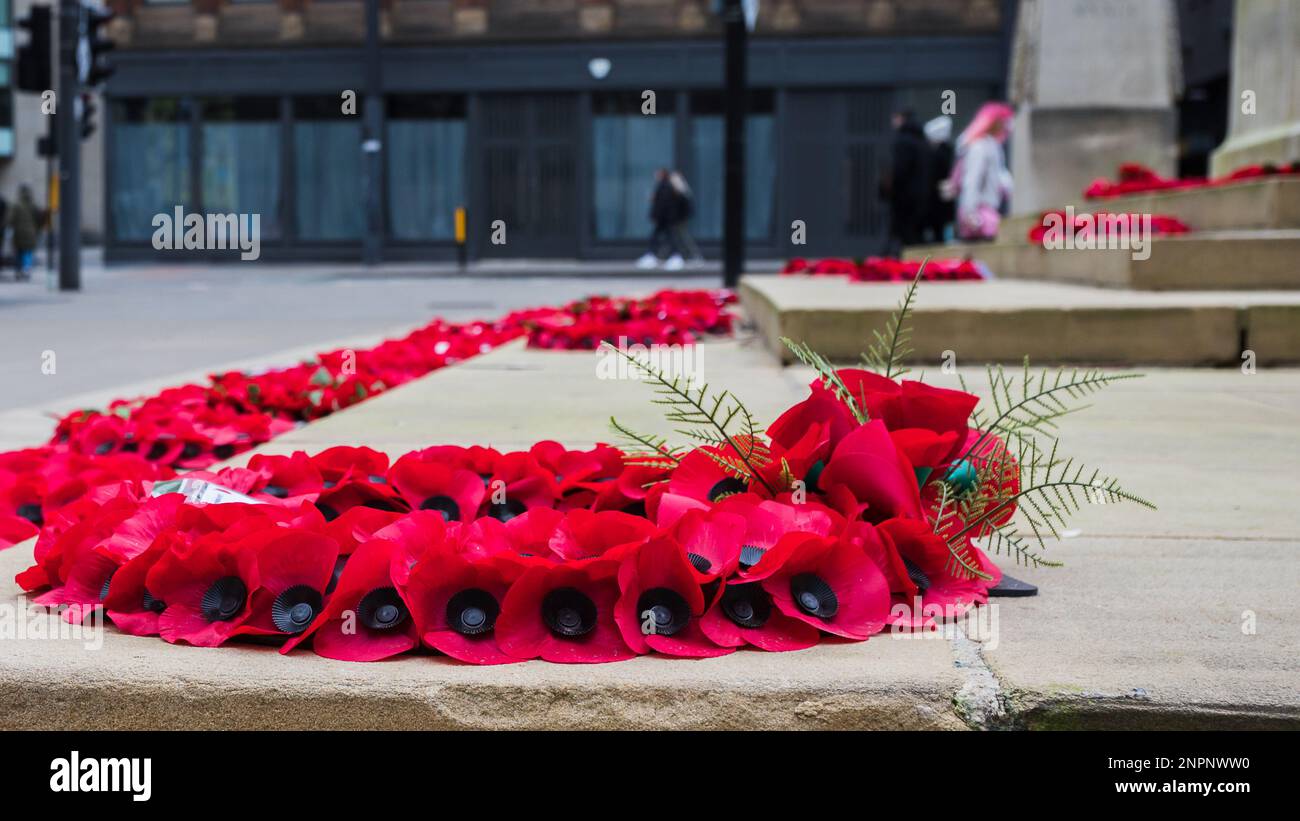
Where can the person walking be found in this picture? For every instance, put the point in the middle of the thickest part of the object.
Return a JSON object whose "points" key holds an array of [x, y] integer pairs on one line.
{"points": [[664, 207], [939, 212], [907, 183], [980, 177], [685, 210], [25, 219]]}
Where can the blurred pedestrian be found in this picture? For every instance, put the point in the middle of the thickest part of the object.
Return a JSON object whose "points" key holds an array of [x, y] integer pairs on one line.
{"points": [[664, 208], [685, 210], [24, 218], [906, 184], [939, 211], [980, 177]]}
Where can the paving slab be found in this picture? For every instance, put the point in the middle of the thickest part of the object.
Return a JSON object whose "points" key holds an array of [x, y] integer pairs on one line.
{"points": [[1004, 320], [1141, 627], [1198, 261]]}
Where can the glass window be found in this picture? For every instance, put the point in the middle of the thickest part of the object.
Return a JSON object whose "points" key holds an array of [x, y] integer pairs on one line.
{"points": [[629, 148], [426, 181], [330, 203], [241, 159], [707, 138], [151, 163]]}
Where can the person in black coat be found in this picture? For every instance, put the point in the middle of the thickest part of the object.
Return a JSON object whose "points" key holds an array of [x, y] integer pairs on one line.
{"points": [[940, 213], [908, 182]]}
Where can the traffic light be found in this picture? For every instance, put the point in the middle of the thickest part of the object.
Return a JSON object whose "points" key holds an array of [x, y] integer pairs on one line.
{"points": [[35, 56], [87, 125], [97, 46]]}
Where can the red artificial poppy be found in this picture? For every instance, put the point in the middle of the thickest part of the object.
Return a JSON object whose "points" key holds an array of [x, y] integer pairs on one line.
{"points": [[869, 465], [128, 602], [661, 602], [712, 541], [518, 483], [700, 477], [584, 535], [291, 478], [366, 618], [767, 520], [294, 568], [205, 588], [826, 582], [456, 493], [946, 588], [456, 601], [745, 615], [563, 613]]}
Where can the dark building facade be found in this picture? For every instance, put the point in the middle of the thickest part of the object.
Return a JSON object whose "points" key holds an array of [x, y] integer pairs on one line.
{"points": [[534, 113]]}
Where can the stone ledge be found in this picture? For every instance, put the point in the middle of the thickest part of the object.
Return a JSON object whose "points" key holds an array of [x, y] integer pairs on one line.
{"points": [[1003, 321], [1200, 261]]}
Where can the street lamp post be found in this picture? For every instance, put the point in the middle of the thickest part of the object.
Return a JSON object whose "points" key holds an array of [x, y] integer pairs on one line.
{"points": [[372, 139], [735, 99]]}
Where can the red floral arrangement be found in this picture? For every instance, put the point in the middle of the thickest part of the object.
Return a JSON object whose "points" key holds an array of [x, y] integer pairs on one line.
{"points": [[883, 269], [194, 426], [859, 502], [1134, 178], [1101, 224]]}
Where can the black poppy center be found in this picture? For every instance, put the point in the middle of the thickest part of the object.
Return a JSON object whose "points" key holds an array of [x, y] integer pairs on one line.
{"points": [[505, 511], [381, 609], [443, 504], [32, 513], [699, 562], [339, 564], [224, 599], [569, 612], [156, 451], [727, 487], [276, 491], [103, 590], [295, 608], [917, 575], [666, 608], [749, 555], [814, 596], [152, 604], [327, 511], [472, 612], [223, 451], [747, 605]]}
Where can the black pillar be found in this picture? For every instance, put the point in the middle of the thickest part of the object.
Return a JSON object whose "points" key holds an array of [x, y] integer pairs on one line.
{"points": [[735, 102], [372, 140], [69, 142]]}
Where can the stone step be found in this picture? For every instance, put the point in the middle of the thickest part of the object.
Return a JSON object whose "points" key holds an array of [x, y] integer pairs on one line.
{"points": [[1140, 628], [1005, 320], [1256, 204], [1212, 260]]}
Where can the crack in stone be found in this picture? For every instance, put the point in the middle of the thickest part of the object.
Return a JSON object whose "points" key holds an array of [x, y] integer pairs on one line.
{"points": [[980, 702]]}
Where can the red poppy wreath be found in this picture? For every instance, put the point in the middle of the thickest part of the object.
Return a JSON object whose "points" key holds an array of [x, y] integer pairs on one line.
{"points": [[872, 493]]}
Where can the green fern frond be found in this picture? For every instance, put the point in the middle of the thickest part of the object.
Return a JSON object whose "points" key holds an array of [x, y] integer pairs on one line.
{"points": [[719, 419], [830, 378], [646, 449], [886, 354], [1030, 407], [1051, 489]]}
